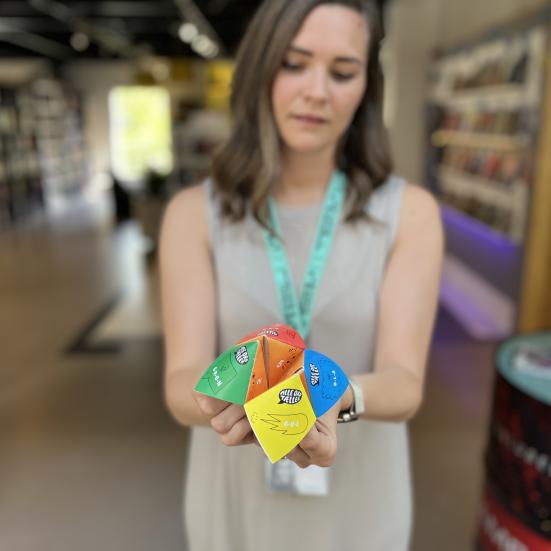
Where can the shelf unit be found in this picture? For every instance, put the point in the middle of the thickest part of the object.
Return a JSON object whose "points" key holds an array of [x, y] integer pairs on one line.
{"points": [[501, 208], [41, 146], [20, 180], [58, 120], [485, 112], [476, 140]]}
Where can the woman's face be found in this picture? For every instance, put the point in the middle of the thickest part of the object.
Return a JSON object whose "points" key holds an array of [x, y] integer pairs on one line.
{"points": [[322, 80]]}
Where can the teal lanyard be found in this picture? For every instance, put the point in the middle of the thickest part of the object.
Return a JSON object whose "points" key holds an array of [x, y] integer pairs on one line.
{"points": [[299, 314]]}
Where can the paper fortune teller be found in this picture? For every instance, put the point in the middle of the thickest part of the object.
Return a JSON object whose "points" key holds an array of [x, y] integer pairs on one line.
{"points": [[283, 386]]}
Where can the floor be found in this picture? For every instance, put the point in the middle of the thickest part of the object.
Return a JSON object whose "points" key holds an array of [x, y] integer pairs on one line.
{"points": [[89, 458]]}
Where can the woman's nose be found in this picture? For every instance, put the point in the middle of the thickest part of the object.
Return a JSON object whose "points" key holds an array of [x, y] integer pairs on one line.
{"points": [[316, 87]]}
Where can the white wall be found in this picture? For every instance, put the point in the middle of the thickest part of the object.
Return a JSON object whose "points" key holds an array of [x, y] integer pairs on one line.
{"points": [[411, 35], [95, 79]]}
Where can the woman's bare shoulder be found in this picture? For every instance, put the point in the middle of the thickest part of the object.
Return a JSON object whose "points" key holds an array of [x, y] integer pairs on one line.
{"points": [[420, 213], [187, 210], [189, 201], [419, 202]]}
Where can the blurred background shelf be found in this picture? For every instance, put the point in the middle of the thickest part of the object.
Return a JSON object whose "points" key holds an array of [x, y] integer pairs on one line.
{"points": [[477, 140], [486, 123]]}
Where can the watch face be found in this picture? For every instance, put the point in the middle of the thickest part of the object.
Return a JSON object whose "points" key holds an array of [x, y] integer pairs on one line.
{"points": [[347, 416]]}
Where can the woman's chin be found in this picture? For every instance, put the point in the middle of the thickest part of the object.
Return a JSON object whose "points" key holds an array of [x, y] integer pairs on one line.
{"points": [[308, 147]]}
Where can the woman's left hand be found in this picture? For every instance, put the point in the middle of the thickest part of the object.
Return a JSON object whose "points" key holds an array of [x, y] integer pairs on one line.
{"points": [[319, 446]]}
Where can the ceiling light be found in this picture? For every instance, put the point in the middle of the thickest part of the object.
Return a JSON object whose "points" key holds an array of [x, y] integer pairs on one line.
{"points": [[212, 51], [79, 41], [202, 45], [188, 32]]}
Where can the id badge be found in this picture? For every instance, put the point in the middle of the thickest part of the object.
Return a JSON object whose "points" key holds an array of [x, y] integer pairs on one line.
{"points": [[286, 477]]}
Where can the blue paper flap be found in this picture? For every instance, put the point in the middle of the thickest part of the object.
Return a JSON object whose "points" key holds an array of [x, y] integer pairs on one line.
{"points": [[326, 381]]}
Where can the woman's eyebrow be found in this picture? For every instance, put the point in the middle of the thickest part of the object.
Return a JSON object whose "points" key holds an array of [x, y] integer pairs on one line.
{"points": [[345, 59], [302, 51], [339, 59]]}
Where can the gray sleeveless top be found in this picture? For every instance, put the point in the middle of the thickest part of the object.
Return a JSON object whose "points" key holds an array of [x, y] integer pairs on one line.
{"points": [[226, 503]]}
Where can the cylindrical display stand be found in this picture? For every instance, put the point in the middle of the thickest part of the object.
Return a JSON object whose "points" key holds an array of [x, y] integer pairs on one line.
{"points": [[516, 512]]}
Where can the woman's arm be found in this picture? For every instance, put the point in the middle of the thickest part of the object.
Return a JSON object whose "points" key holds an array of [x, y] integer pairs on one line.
{"points": [[407, 308], [187, 296], [188, 301]]}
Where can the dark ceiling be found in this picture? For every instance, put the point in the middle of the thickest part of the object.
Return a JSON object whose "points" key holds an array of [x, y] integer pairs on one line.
{"points": [[117, 28]]}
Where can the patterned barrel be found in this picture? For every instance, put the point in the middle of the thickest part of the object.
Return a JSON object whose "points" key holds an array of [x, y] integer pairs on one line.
{"points": [[516, 511]]}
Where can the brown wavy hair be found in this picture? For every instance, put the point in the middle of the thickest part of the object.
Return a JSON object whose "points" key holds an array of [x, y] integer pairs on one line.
{"points": [[248, 164]]}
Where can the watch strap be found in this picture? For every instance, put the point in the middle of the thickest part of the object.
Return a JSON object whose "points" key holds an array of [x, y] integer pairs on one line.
{"points": [[359, 404], [357, 407]]}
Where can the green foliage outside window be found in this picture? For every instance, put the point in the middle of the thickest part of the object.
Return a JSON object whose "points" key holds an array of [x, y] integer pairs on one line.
{"points": [[140, 131]]}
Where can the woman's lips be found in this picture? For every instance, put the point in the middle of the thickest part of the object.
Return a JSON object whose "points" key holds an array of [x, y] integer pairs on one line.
{"points": [[310, 119]]}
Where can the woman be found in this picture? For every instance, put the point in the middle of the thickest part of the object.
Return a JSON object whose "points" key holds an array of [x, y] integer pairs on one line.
{"points": [[307, 102]]}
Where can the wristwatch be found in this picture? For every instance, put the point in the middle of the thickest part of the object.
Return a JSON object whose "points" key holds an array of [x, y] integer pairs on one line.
{"points": [[357, 407]]}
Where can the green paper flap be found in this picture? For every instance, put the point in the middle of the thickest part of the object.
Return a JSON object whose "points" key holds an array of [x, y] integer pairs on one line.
{"points": [[227, 378]]}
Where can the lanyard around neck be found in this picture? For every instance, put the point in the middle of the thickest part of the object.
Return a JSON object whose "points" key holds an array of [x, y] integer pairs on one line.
{"points": [[298, 314]]}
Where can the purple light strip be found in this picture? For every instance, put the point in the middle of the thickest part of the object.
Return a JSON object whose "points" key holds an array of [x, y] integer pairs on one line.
{"points": [[476, 229]]}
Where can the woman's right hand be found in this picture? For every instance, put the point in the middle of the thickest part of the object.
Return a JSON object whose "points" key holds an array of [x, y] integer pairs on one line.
{"points": [[227, 419]]}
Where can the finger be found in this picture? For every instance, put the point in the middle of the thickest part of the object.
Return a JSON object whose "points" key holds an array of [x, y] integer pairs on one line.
{"points": [[250, 439], [299, 457], [208, 405], [311, 443], [239, 434], [320, 448], [227, 418], [326, 423]]}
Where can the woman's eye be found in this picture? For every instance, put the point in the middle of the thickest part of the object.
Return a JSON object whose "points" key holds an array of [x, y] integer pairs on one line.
{"points": [[343, 76], [292, 66]]}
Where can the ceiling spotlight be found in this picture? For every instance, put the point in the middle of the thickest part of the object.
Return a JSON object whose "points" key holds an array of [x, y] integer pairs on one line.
{"points": [[79, 41], [212, 51], [204, 46], [188, 32]]}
